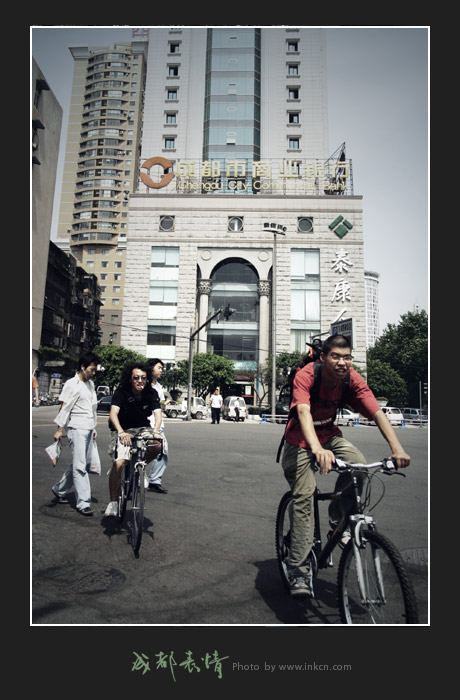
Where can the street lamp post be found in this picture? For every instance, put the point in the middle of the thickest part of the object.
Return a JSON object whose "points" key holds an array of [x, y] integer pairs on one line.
{"points": [[276, 229]]}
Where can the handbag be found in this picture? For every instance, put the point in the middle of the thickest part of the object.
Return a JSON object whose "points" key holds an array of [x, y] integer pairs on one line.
{"points": [[94, 466]]}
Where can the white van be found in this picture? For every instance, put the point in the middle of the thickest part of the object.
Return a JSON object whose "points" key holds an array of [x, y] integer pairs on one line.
{"points": [[393, 414], [228, 409]]}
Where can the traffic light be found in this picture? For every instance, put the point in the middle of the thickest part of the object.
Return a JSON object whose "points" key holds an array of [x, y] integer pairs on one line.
{"points": [[228, 312]]}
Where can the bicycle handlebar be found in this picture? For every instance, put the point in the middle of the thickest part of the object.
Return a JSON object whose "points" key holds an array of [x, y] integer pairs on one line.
{"points": [[387, 466]]}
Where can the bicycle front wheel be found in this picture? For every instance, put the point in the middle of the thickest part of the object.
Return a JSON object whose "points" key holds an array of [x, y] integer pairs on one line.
{"points": [[138, 499], [123, 492], [383, 594]]}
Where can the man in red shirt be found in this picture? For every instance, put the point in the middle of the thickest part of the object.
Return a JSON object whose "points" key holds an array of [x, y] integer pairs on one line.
{"points": [[313, 438]]}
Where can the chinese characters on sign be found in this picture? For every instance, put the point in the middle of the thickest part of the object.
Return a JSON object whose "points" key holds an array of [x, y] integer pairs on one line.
{"points": [[269, 176], [341, 264], [168, 662]]}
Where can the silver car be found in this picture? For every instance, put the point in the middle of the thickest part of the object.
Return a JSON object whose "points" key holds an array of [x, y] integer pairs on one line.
{"points": [[415, 415]]}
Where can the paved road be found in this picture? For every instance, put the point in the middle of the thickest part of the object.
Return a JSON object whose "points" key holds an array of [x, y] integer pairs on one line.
{"points": [[208, 550]]}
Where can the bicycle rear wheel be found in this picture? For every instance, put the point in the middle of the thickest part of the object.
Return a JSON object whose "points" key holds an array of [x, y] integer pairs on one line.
{"points": [[123, 492], [283, 535], [389, 598], [138, 499]]}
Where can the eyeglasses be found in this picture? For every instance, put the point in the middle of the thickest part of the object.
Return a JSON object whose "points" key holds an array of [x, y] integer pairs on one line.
{"points": [[139, 379], [345, 358]]}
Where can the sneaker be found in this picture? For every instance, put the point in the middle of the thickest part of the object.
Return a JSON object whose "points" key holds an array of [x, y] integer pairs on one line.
{"points": [[59, 499], [300, 585], [112, 509]]}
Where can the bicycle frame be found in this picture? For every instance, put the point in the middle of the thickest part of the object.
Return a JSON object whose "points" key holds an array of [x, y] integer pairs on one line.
{"points": [[321, 556]]}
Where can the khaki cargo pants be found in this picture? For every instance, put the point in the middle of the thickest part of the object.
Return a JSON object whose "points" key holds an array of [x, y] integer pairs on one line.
{"points": [[298, 465]]}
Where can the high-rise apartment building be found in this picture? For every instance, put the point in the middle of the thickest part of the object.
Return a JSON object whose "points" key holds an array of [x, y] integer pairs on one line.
{"points": [[101, 166], [372, 307]]}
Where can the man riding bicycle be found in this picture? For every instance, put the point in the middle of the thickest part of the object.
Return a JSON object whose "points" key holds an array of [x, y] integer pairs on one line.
{"points": [[313, 438], [133, 403]]}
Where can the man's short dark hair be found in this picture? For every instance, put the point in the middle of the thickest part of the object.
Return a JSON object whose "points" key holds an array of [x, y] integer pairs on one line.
{"points": [[87, 358], [336, 341]]}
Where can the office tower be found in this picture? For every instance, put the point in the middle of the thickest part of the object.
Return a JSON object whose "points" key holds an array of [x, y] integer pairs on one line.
{"points": [[237, 177]]}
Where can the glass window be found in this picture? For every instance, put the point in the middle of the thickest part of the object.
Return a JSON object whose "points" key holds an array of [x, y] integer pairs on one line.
{"points": [[165, 257], [161, 335], [163, 293], [304, 263], [166, 223], [235, 223], [305, 304], [305, 224]]}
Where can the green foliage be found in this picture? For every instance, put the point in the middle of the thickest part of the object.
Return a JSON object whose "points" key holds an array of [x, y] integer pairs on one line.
{"points": [[404, 348], [385, 381], [113, 358], [209, 372], [54, 354]]}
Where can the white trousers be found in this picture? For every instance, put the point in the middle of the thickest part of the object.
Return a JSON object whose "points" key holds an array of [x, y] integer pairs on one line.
{"points": [[76, 475]]}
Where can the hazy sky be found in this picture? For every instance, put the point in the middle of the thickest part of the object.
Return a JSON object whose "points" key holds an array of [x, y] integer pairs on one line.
{"points": [[378, 105]]}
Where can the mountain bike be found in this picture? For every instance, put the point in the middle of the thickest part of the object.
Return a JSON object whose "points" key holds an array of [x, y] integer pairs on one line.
{"points": [[132, 484], [373, 586]]}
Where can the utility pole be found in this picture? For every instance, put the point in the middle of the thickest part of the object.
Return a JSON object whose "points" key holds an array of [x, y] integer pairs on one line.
{"points": [[227, 313]]}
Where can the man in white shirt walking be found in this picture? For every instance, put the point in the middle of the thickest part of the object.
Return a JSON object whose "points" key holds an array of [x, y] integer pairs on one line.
{"points": [[78, 415], [216, 405]]}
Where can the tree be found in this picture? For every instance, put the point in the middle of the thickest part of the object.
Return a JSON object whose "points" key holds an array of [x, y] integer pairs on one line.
{"points": [[113, 358], [384, 381], [285, 361], [209, 372], [404, 348]]}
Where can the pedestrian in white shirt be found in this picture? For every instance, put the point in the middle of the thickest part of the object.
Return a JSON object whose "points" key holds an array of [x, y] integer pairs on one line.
{"points": [[78, 414], [216, 405]]}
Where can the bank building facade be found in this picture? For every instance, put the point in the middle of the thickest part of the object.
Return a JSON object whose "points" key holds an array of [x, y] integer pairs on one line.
{"points": [[240, 201]]}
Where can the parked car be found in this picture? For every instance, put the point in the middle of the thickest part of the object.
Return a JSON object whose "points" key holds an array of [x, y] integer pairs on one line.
{"points": [[198, 410], [104, 403], [415, 415], [102, 390], [346, 417], [393, 414], [228, 409]]}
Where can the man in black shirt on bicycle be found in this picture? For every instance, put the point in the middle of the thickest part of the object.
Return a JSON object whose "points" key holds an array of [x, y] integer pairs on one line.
{"points": [[133, 403]]}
